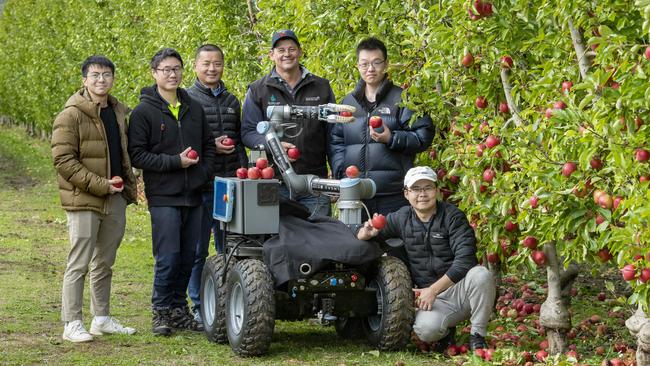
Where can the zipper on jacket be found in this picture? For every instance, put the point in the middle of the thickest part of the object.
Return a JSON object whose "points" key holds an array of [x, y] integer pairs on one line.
{"points": [[180, 136], [218, 97], [366, 142]]}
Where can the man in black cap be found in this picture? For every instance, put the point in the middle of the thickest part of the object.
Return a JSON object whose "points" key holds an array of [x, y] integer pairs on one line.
{"points": [[289, 82]]}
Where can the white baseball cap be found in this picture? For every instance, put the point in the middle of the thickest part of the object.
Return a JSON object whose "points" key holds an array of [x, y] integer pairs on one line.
{"points": [[417, 173]]}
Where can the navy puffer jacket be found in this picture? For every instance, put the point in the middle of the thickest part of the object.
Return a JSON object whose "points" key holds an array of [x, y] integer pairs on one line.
{"points": [[386, 164]]}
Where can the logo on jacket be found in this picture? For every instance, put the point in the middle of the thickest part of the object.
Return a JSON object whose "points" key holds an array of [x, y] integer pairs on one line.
{"points": [[312, 99], [384, 110], [230, 110], [437, 236], [273, 99]]}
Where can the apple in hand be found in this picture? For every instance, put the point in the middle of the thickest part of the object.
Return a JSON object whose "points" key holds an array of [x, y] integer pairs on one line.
{"points": [[352, 171], [119, 184], [293, 153], [228, 142], [242, 173], [261, 163], [378, 222], [268, 173], [192, 154]]}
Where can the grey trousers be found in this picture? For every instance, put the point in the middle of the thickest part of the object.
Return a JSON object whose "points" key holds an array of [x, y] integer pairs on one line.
{"points": [[94, 239], [471, 298]]}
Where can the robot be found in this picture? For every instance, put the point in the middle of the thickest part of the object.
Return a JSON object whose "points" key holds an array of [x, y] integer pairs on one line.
{"points": [[240, 301]]}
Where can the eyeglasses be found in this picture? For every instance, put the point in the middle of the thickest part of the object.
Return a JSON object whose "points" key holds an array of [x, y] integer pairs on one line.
{"points": [[282, 51], [375, 64], [167, 71], [420, 190], [97, 76]]}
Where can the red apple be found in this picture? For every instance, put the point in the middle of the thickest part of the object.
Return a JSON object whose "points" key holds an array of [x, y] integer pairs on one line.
{"points": [[604, 255], [647, 53], [228, 142], [378, 222], [559, 105], [596, 163], [641, 155], [479, 149], [538, 257], [644, 178], [352, 171], [375, 122], [254, 173], [605, 201], [468, 60], [192, 154], [568, 168], [511, 226], [549, 112], [242, 173], [597, 193], [433, 154], [268, 173], [628, 272], [492, 141], [261, 163], [616, 362], [493, 258], [481, 103], [119, 184], [506, 62], [293, 153], [480, 352], [441, 173], [454, 179], [541, 355], [645, 275], [602, 296], [617, 201], [345, 114], [488, 175], [503, 107], [600, 219], [530, 242], [534, 201], [566, 86]]}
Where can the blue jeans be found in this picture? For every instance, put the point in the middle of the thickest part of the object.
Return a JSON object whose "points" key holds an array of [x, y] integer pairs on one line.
{"points": [[320, 205], [208, 225], [174, 232]]}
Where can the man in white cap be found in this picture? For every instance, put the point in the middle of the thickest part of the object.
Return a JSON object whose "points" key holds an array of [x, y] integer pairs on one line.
{"points": [[440, 249]]}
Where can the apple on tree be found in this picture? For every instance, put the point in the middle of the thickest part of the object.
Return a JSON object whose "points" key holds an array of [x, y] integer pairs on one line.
{"points": [[503, 107], [481, 102], [566, 86], [468, 60], [568, 168], [506, 62], [628, 272], [492, 141]]}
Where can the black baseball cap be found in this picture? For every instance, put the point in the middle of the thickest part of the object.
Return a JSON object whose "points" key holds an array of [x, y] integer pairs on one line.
{"points": [[283, 34]]}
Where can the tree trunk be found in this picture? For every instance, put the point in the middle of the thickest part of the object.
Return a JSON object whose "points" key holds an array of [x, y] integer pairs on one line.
{"points": [[507, 90], [567, 278], [495, 269], [554, 315], [584, 58], [639, 327]]}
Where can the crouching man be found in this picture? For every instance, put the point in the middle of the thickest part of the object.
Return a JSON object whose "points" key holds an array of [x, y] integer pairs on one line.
{"points": [[440, 252]]}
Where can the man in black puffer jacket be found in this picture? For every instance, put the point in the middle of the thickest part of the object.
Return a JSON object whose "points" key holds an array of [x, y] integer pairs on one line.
{"points": [[170, 140], [441, 256], [222, 111], [385, 154]]}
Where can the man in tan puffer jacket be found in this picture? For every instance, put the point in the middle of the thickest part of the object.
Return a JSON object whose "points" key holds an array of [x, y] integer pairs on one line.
{"points": [[96, 183]]}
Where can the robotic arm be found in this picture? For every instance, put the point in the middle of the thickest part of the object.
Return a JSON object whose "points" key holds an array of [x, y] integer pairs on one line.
{"points": [[350, 190]]}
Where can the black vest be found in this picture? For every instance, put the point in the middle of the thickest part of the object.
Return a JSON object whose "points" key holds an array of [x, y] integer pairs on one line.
{"points": [[310, 137]]}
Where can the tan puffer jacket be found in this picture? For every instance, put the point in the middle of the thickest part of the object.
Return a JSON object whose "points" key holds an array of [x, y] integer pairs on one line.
{"points": [[81, 158]]}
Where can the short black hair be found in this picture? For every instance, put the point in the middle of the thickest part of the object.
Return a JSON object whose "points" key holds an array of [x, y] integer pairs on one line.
{"points": [[163, 54], [98, 60], [208, 47], [370, 44]]}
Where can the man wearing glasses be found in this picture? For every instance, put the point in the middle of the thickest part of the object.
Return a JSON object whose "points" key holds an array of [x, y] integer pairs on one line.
{"points": [[89, 148], [383, 154], [171, 141], [441, 255], [289, 82]]}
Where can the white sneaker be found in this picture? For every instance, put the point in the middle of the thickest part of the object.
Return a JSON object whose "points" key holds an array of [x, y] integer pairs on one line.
{"points": [[74, 331], [109, 326]]}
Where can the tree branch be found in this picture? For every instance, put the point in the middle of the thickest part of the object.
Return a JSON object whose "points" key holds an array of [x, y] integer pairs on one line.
{"points": [[507, 90], [584, 58]]}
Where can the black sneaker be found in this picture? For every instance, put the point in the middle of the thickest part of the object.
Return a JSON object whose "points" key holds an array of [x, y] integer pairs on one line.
{"points": [[182, 319], [161, 322], [476, 341], [443, 343]]}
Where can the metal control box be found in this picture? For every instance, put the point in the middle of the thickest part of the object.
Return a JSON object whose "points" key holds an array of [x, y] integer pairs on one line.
{"points": [[247, 206]]}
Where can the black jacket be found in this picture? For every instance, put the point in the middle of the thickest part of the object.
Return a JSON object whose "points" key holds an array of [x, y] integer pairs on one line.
{"points": [[444, 245], [385, 164], [312, 136], [223, 115], [156, 139]]}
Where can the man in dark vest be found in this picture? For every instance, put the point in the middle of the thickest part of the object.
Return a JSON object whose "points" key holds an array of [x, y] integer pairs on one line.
{"points": [[222, 111], [289, 82], [441, 255]]}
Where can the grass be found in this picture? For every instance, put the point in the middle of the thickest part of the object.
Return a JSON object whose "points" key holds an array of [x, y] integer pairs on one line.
{"points": [[33, 249]]}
